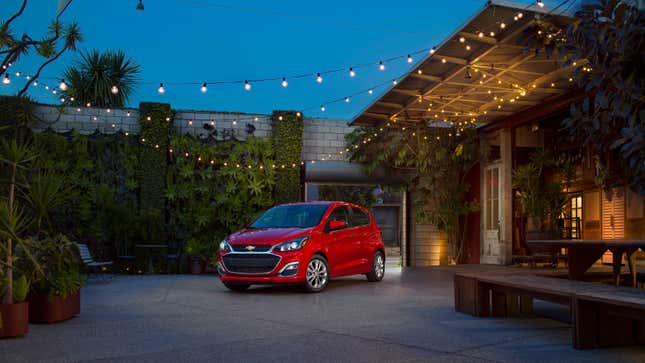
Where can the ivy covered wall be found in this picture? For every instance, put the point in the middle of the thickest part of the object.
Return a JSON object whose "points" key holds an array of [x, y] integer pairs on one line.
{"points": [[287, 145], [155, 120]]}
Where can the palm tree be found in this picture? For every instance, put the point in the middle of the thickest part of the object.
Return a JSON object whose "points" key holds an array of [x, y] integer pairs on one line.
{"points": [[101, 79]]}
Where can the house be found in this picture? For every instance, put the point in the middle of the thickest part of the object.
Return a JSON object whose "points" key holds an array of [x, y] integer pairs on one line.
{"points": [[490, 71]]}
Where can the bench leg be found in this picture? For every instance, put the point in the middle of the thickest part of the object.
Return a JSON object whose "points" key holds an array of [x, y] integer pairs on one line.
{"points": [[471, 297], [498, 304], [526, 305], [584, 320]]}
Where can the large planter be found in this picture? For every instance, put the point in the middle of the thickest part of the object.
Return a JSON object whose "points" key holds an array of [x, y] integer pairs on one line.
{"points": [[51, 309], [15, 320], [197, 265]]}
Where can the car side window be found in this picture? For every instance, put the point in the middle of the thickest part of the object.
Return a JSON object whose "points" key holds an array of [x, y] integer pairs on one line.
{"points": [[359, 217], [339, 214]]}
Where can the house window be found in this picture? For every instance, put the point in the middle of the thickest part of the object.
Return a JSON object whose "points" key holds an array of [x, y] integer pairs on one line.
{"points": [[571, 219]]}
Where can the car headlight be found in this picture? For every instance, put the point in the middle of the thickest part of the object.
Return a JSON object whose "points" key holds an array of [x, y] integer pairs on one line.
{"points": [[224, 246], [292, 245]]}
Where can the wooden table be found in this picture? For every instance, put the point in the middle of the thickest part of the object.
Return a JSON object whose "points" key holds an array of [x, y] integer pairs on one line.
{"points": [[584, 253], [150, 247]]}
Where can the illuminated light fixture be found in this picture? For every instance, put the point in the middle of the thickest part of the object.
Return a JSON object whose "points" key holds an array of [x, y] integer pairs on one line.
{"points": [[62, 100], [480, 34], [433, 50], [322, 108], [351, 72], [127, 114], [114, 90], [297, 114], [161, 89], [62, 85], [88, 104], [247, 85], [467, 47], [255, 119], [284, 82], [419, 71], [319, 78], [18, 74], [520, 15], [462, 40], [492, 34], [370, 91], [570, 79], [280, 117], [409, 58], [234, 122], [502, 25], [381, 66], [28, 77], [515, 18], [78, 109], [443, 60], [6, 79], [347, 99], [190, 122], [47, 88], [35, 83], [140, 5], [468, 75], [54, 92], [108, 110], [204, 87], [552, 84], [394, 82], [540, 3], [71, 99]]}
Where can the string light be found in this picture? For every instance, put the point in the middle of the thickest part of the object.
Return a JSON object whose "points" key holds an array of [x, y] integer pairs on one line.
{"points": [[351, 72], [409, 59], [319, 78], [284, 82], [462, 39], [395, 82], [370, 91], [322, 108], [204, 87], [540, 3], [502, 25], [381, 66], [247, 85], [6, 79], [161, 89], [114, 90], [433, 50], [346, 99], [62, 85]]}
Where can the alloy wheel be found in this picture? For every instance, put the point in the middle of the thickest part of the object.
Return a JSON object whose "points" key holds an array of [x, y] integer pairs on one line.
{"points": [[316, 273], [379, 266]]}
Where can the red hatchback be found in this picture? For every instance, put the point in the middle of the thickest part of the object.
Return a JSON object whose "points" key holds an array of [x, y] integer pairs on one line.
{"points": [[304, 243]]}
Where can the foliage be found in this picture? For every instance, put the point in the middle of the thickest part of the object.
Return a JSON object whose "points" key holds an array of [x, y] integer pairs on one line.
{"points": [[64, 283], [60, 266], [16, 116], [540, 196], [287, 144], [155, 122], [438, 161], [20, 289], [13, 47], [196, 247], [609, 36], [90, 79], [361, 195], [209, 193]]}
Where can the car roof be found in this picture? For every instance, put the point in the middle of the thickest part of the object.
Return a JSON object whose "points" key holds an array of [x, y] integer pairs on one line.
{"points": [[324, 202]]}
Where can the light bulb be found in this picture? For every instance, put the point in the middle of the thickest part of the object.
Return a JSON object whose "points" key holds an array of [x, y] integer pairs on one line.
{"points": [[351, 72], [114, 90], [492, 34], [433, 50], [62, 85], [347, 99], [6, 79], [284, 82], [35, 83], [247, 85], [462, 40], [394, 82], [502, 25], [319, 78], [540, 3], [204, 88], [161, 89], [370, 91], [409, 58], [18, 74], [480, 34], [322, 108], [62, 100], [381, 66], [88, 104], [520, 15], [54, 92]]}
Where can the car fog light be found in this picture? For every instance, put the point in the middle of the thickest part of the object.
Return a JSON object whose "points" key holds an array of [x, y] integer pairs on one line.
{"points": [[289, 269]]}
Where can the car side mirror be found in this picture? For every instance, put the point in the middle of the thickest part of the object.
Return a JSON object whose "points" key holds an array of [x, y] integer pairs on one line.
{"points": [[334, 225]]}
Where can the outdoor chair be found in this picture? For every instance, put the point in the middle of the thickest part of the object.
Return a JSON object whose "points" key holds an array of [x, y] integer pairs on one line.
{"points": [[94, 267], [175, 257]]}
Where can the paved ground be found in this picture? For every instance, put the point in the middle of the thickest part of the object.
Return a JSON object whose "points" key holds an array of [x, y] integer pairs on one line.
{"points": [[408, 317]]}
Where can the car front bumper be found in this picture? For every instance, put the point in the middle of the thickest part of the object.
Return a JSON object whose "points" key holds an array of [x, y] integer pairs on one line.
{"points": [[290, 269]]}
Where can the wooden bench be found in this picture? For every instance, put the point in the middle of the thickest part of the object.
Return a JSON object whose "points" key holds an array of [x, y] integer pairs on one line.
{"points": [[602, 315]]}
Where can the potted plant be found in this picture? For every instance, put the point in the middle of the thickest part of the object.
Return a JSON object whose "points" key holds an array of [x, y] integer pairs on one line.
{"points": [[55, 294], [14, 317], [196, 250]]}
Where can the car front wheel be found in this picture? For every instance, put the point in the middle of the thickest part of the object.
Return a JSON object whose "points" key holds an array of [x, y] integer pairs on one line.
{"points": [[378, 268], [317, 275]]}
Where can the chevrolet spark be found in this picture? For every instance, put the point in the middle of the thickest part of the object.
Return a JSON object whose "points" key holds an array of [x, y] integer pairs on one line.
{"points": [[303, 243]]}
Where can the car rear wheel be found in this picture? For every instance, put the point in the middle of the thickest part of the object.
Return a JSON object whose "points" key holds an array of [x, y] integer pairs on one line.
{"points": [[236, 287], [378, 268], [317, 275]]}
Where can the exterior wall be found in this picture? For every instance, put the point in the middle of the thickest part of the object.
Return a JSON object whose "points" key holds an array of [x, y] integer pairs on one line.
{"points": [[323, 139], [428, 245]]}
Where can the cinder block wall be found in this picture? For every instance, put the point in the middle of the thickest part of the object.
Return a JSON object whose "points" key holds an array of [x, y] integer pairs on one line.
{"points": [[323, 139]]}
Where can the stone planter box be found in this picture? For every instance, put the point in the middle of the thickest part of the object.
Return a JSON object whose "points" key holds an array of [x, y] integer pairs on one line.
{"points": [[51, 309], [15, 320]]}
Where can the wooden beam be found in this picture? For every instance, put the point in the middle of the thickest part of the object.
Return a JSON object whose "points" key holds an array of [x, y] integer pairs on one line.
{"points": [[382, 116], [389, 104], [450, 59], [408, 92], [476, 37], [426, 77]]}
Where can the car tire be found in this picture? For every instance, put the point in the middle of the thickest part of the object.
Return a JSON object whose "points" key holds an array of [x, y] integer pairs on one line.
{"points": [[378, 268], [317, 274], [236, 287]]}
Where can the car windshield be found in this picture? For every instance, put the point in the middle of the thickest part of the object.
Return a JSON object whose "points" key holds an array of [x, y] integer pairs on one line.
{"points": [[291, 216]]}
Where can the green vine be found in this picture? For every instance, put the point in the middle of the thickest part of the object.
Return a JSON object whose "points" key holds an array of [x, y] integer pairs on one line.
{"points": [[155, 121], [287, 143]]}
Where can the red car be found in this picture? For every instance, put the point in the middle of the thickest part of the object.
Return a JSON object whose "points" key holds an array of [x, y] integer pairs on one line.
{"points": [[304, 243]]}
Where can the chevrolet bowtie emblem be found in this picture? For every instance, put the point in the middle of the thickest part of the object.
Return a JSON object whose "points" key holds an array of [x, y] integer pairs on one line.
{"points": [[250, 248]]}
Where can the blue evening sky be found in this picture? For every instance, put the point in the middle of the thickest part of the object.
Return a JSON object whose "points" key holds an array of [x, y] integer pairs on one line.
{"points": [[213, 40]]}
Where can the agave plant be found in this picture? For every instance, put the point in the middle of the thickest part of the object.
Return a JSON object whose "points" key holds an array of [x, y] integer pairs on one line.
{"points": [[102, 79]]}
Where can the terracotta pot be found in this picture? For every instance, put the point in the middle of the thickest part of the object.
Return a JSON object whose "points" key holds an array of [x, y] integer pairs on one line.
{"points": [[15, 319], [197, 265], [51, 309]]}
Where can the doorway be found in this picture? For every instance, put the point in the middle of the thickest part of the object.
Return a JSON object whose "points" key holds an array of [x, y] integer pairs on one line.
{"points": [[490, 251]]}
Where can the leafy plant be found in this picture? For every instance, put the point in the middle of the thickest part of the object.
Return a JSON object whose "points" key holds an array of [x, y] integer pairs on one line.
{"points": [[287, 144], [20, 289], [196, 247], [64, 283], [60, 274], [155, 137], [437, 161], [92, 78], [361, 195], [608, 42]]}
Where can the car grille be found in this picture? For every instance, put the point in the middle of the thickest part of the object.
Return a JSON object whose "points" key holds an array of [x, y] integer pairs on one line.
{"points": [[257, 248], [250, 263]]}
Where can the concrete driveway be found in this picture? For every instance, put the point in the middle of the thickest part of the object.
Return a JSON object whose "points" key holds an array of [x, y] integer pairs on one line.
{"points": [[408, 317]]}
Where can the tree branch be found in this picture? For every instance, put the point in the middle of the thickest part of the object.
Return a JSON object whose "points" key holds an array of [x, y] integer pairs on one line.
{"points": [[35, 76]]}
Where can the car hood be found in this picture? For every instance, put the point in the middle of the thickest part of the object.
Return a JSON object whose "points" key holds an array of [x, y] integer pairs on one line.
{"points": [[270, 236]]}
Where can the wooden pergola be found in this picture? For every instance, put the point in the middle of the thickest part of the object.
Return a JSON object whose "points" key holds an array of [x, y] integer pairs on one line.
{"points": [[483, 72]]}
